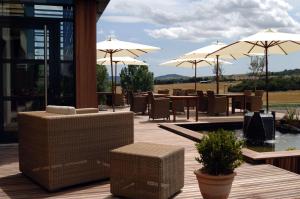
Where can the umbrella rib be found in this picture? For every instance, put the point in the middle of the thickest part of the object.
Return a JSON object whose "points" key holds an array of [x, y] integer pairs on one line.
{"points": [[142, 50], [132, 53], [208, 62], [179, 64], [295, 42], [233, 57], [272, 42], [263, 44], [221, 49], [282, 49], [254, 44], [275, 43], [197, 62]]}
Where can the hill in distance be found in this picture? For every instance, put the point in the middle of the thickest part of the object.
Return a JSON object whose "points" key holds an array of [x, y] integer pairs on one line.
{"points": [[171, 77]]}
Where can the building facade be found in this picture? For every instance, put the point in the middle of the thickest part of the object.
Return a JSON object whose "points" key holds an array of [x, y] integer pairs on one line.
{"points": [[47, 56]]}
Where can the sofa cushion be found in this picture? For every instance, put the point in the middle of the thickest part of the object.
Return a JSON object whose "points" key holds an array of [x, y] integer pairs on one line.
{"points": [[63, 110]]}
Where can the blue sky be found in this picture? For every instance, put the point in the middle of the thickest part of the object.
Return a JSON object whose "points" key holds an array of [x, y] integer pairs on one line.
{"points": [[180, 26]]}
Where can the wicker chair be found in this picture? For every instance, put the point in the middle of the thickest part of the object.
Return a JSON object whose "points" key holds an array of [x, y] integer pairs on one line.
{"points": [[177, 91], [139, 104], [255, 103], [191, 92], [179, 104], [216, 105], [159, 107], [58, 151], [238, 102], [203, 101], [164, 91], [119, 99]]}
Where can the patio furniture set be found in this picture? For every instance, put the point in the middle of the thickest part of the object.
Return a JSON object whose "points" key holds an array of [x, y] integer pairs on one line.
{"points": [[162, 105], [64, 146]]}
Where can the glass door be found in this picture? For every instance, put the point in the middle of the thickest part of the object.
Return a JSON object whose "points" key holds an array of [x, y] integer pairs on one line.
{"points": [[24, 54]]}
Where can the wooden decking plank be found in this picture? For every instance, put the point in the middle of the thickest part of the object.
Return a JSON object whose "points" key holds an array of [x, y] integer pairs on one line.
{"points": [[262, 181]]}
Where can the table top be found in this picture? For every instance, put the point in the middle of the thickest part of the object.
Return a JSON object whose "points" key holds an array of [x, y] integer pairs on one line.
{"points": [[231, 94], [157, 95], [104, 93], [183, 97]]}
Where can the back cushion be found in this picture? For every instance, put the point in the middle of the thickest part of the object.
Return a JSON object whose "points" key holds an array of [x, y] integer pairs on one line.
{"points": [[63, 110]]}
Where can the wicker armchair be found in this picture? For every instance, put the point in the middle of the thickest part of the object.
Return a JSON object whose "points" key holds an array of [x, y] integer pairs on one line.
{"points": [[159, 107], [216, 105], [58, 151], [238, 102], [203, 101], [139, 104], [255, 103]]}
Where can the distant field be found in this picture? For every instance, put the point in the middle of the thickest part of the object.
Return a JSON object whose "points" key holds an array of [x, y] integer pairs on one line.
{"points": [[204, 87], [277, 99], [286, 98]]}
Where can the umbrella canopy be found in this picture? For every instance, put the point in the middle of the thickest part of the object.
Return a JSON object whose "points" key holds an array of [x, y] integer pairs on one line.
{"points": [[205, 52], [194, 63], [113, 47], [122, 48], [122, 60], [265, 42]]}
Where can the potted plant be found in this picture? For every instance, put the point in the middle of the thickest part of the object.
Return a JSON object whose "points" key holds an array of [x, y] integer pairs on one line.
{"points": [[220, 153]]}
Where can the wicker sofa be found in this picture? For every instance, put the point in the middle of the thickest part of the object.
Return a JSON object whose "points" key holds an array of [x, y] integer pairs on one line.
{"points": [[58, 151]]}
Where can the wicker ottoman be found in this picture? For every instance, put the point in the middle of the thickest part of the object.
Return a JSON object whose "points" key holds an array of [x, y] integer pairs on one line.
{"points": [[144, 170]]}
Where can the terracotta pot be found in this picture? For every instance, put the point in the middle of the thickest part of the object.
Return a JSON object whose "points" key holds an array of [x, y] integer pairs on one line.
{"points": [[214, 187]]}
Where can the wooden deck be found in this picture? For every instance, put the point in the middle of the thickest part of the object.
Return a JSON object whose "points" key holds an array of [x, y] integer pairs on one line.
{"points": [[262, 181]]}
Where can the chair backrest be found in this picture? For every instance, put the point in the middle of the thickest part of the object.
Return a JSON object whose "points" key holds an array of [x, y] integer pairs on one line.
{"points": [[189, 91], [247, 92], [130, 97], [259, 93], [163, 91], [150, 96], [200, 94], [210, 94], [176, 91]]}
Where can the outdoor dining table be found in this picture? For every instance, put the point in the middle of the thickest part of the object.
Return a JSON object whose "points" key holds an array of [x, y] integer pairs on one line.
{"points": [[156, 95], [232, 96], [186, 98], [108, 96]]}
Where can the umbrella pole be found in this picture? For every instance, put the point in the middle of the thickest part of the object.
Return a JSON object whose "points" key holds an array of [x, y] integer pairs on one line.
{"points": [[267, 78], [112, 83], [195, 76], [217, 74], [115, 77]]}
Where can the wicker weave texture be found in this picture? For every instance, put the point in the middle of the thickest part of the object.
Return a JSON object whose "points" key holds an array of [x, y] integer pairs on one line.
{"points": [[148, 171], [57, 151]]}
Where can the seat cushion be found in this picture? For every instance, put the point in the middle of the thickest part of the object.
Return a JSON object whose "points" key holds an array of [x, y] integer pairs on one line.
{"points": [[63, 110]]}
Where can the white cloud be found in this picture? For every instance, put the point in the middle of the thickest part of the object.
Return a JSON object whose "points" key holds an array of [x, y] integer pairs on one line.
{"points": [[197, 20]]}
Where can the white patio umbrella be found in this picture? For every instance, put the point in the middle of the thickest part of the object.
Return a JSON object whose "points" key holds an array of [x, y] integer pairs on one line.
{"points": [[265, 42], [122, 60], [113, 47], [205, 52], [193, 63]]}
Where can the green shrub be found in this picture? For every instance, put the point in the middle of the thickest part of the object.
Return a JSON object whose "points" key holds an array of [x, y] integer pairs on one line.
{"points": [[220, 152], [136, 78]]}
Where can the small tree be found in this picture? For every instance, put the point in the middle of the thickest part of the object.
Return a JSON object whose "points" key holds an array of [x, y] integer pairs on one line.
{"points": [[136, 78], [256, 68], [102, 78], [221, 70]]}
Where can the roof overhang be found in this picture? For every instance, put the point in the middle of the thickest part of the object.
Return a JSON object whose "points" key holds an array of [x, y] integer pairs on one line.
{"points": [[101, 5]]}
